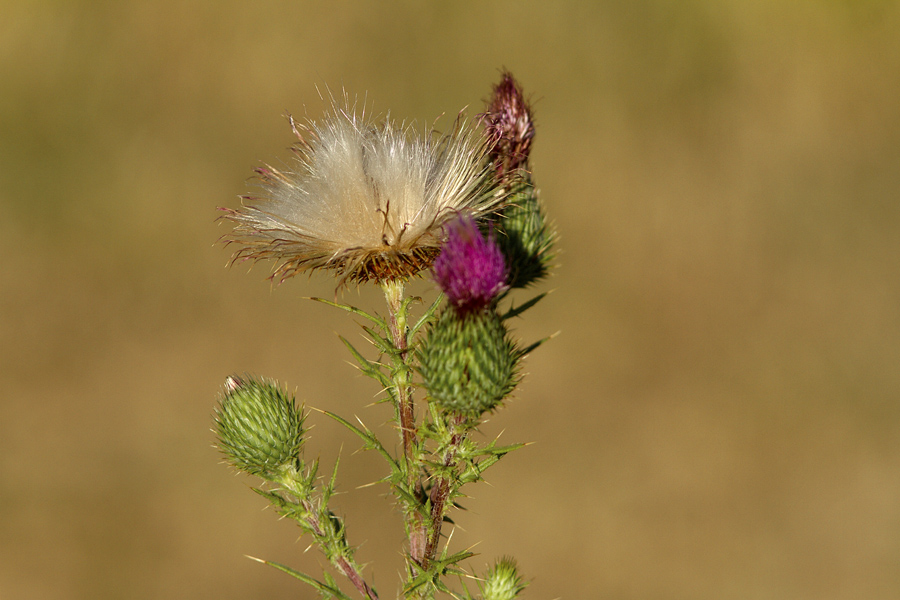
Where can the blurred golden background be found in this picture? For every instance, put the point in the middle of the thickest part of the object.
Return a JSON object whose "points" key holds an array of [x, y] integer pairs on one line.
{"points": [[719, 417]]}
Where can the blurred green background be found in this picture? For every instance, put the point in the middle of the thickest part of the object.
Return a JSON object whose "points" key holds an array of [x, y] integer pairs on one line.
{"points": [[719, 417]]}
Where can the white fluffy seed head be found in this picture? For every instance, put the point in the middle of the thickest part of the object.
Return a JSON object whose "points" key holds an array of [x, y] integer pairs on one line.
{"points": [[368, 200]]}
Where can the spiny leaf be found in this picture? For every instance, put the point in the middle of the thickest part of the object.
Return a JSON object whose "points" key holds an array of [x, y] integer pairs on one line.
{"points": [[369, 368], [272, 497], [356, 311], [437, 568], [404, 306], [324, 588], [328, 491], [329, 579], [515, 312], [310, 481], [474, 468], [287, 509], [456, 558], [367, 436], [409, 499], [429, 314], [384, 345], [501, 450], [526, 351]]}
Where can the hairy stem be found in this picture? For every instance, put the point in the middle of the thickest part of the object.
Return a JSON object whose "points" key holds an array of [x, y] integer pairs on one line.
{"points": [[347, 568], [440, 493], [335, 548], [350, 571], [393, 291]]}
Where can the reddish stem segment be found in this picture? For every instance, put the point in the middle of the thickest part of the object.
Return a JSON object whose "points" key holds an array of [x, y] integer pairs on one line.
{"points": [[406, 411], [441, 492], [356, 578], [346, 568]]}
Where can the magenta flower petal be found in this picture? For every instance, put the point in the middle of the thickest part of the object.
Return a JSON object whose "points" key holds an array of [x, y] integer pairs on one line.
{"points": [[470, 269]]}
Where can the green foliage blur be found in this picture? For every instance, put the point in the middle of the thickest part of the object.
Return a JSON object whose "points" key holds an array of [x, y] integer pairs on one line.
{"points": [[719, 417]]}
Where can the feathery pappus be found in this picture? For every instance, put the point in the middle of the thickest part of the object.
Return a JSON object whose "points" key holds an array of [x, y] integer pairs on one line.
{"points": [[366, 199]]}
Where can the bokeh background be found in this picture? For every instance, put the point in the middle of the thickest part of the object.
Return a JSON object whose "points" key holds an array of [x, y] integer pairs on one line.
{"points": [[718, 418]]}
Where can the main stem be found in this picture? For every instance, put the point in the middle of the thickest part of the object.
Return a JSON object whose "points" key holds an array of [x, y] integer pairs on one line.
{"points": [[416, 528]]}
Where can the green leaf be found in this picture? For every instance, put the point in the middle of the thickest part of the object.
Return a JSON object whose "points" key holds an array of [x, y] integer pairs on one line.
{"points": [[528, 350], [356, 311], [368, 367], [272, 497], [328, 491], [491, 455], [515, 312], [409, 499], [328, 589], [428, 316], [384, 345], [491, 449], [310, 482], [371, 441], [438, 568], [456, 558], [404, 305], [288, 509]]}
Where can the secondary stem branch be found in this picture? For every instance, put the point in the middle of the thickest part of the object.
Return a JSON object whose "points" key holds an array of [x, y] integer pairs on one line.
{"points": [[346, 567], [334, 547], [440, 493]]}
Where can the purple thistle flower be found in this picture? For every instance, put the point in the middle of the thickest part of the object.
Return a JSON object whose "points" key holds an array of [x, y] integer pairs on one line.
{"points": [[470, 268]]}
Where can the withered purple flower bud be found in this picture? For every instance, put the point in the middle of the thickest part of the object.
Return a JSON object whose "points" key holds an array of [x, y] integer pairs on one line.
{"points": [[470, 268], [509, 126]]}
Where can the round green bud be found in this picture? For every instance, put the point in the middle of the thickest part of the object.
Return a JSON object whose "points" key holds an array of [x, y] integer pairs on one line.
{"points": [[468, 362], [524, 235], [502, 582], [259, 427]]}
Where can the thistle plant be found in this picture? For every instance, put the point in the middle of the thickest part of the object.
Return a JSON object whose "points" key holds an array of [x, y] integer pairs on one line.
{"points": [[376, 202]]}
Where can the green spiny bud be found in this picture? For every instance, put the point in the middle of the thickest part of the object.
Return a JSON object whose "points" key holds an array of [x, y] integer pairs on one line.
{"points": [[468, 362], [259, 427], [524, 234], [502, 581]]}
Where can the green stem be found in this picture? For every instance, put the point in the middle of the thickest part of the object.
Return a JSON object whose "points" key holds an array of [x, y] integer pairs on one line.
{"points": [[416, 529], [332, 543]]}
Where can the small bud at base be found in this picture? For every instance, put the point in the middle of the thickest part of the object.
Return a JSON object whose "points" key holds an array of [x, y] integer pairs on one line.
{"points": [[502, 581]]}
